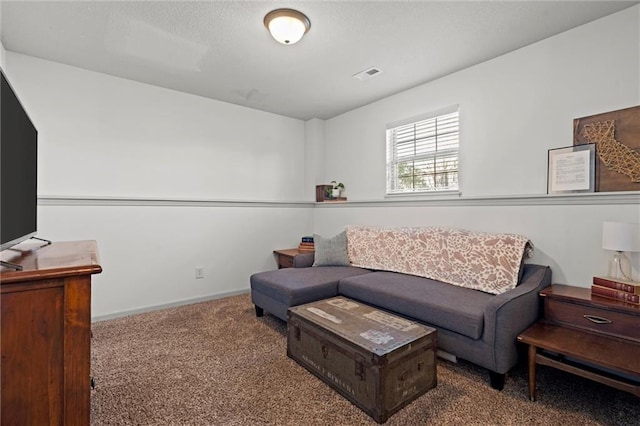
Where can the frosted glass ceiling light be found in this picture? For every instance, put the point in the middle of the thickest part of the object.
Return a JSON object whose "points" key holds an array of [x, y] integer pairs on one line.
{"points": [[620, 237], [287, 26]]}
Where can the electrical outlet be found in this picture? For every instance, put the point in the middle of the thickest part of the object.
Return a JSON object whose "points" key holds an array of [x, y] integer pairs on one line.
{"points": [[199, 272]]}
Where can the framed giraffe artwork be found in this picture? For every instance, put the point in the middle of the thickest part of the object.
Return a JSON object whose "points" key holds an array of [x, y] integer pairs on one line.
{"points": [[616, 135]]}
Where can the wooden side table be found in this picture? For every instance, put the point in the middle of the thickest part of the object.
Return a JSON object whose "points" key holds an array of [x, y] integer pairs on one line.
{"points": [[588, 336], [284, 257]]}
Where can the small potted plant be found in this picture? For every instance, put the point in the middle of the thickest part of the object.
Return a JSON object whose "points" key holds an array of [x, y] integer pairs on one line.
{"points": [[337, 187]]}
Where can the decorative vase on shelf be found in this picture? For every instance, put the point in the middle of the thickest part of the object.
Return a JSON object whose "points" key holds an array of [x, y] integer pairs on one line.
{"points": [[620, 267], [337, 188]]}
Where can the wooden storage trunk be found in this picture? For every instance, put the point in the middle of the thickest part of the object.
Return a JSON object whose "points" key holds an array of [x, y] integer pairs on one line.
{"points": [[378, 361]]}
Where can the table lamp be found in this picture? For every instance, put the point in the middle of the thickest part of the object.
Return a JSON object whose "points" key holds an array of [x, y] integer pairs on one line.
{"points": [[620, 237]]}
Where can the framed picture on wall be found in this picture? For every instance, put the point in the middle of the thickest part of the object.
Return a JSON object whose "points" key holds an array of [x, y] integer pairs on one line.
{"points": [[617, 138], [571, 169]]}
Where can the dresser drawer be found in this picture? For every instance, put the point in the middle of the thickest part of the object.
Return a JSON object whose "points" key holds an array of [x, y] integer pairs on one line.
{"points": [[601, 321]]}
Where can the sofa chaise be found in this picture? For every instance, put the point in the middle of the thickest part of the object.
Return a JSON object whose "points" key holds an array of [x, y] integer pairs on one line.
{"points": [[478, 326]]}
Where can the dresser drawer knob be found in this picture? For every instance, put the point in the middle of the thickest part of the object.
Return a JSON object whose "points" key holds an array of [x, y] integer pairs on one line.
{"points": [[597, 320]]}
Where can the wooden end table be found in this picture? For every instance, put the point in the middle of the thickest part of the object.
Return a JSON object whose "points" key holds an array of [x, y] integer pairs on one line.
{"points": [[588, 336], [284, 257]]}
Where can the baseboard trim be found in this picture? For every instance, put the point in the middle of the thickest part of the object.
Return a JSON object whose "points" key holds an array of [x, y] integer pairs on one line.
{"points": [[446, 355], [182, 302]]}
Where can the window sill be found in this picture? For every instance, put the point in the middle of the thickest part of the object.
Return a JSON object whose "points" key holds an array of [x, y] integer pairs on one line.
{"points": [[425, 195]]}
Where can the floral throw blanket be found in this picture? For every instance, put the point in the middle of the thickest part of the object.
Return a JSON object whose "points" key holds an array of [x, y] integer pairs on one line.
{"points": [[481, 261]]}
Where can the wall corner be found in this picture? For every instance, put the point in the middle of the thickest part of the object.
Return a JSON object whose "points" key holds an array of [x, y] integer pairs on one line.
{"points": [[314, 158]]}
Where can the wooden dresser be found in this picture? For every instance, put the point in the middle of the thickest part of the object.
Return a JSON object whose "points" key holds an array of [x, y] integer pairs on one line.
{"points": [[46, 334], [586, 335]]}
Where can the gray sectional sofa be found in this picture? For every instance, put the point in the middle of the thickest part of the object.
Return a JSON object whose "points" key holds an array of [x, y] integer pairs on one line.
{"points": [[472, 325]]}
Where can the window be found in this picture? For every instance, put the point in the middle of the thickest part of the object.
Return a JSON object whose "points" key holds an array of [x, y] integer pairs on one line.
{"points": [[422, 154]]}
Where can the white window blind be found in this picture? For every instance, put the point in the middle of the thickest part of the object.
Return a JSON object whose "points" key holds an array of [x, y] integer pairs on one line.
{"points": [[422, 154]]}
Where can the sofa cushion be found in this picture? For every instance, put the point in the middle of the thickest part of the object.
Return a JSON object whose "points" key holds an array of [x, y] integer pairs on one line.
{"points": [[295, 286], [442, 305], [331, 251]]}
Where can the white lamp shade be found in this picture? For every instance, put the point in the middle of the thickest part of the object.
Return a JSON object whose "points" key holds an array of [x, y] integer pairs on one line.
{"points": [[287, 26], [621, 236]]}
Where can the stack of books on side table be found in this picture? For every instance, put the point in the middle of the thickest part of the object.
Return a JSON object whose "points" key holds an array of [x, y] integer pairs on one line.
{"points": [[306, 245], [613, 288]]}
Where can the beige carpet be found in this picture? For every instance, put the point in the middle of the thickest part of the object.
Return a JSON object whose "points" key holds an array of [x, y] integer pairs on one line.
{"points": [[215, 363]]}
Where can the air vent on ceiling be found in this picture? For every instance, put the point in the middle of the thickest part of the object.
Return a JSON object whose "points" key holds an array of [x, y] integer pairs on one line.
{"points": [[368, 73]]}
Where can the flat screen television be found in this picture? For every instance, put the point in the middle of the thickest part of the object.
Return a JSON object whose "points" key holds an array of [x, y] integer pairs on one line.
{"points": [[18, 170]]}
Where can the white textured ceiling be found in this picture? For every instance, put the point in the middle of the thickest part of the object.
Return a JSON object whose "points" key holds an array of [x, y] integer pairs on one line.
{"points": [[221, 49]]}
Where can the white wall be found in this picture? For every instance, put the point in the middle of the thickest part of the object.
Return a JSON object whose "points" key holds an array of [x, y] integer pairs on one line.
{"points": [[107, 136], [149, 253], [109, 147], [2, 51], [566, 237], [315, 158], [513, 109]]}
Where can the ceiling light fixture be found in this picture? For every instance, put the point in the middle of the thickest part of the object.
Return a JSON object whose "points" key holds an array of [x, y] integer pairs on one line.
{"points": [[287, 26]]}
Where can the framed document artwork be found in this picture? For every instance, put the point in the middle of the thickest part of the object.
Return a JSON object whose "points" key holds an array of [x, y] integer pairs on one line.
{"points": [[572, 169]]}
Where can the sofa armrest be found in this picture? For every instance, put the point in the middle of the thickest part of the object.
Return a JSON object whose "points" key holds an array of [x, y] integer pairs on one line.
{"points": [[510, 313], [303, 260]]}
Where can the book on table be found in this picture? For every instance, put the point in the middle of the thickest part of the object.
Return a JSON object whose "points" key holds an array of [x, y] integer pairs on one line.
{"points": [[631, 287], [611, 293], [306, 245]]}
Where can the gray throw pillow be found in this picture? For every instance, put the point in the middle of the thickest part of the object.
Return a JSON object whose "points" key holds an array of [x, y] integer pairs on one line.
{"points": [[331, 251]]}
